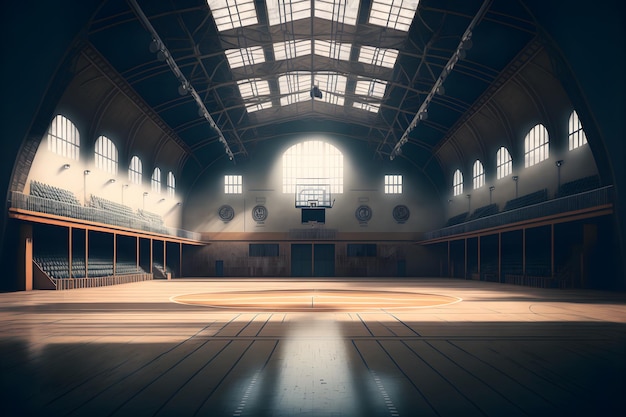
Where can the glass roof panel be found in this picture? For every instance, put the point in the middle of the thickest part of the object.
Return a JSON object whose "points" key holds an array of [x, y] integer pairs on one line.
{"points": [[371, 88], [331, 83], [381, 57], [260, 106], [332, 49], [292, 49], [253, 88], [394, 14], [366, 106], [294, 98], [229, 14], [245, 56], [282, 11], [341, 11]]}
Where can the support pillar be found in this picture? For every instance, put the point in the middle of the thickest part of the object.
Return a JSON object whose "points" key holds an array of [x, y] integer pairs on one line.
{"points": [[180, 259], [552, 268], [465, 267], [500, 257], [114, 253], [69, 251], [86, 253], [524, 252]]}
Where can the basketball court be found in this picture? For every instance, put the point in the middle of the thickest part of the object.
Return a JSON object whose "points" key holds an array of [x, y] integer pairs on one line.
{"points": [[280, 347]]}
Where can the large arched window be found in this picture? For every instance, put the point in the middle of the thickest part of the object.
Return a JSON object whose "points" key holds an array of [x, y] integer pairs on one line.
{"points": [[457, 182], [536, 146], [313, 162], [106, 155], [478, 174], [156, 180], [504, 163], [135, 170], [63, 137], [171, 184], [576, 135]]}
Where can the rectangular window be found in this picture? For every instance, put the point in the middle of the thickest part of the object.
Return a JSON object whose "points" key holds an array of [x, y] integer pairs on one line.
{"points": [[393, 184], [361, 249], [263, 249], [233, 184]]}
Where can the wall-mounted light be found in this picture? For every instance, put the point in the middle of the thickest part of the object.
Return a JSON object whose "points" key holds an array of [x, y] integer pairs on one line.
{"points": [[179, 204], [145, 193], [491, 188], [559, 163], [515, 178], [66, 166], [86, 172], [112, 181], [161, 200]]}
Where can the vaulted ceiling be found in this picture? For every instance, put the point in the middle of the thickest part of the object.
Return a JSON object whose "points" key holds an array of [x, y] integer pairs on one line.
{"points": [[226, 76]]}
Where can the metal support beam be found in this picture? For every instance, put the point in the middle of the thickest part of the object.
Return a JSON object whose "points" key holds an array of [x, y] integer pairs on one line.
{"points": [[422, 113], [185, 84]]}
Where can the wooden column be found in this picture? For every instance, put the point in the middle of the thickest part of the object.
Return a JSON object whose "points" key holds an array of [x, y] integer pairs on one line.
{"points": [[137, 253], [500, 257], [86, 253], [552, 250], [151, 249], [524, 251], [478, 257], [165, 258], [180, 259], [69, 250], [465, 267], [449, 268], [114, 253]]}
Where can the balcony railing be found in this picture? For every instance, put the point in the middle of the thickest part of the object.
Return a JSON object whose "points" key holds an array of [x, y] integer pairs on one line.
{"points": [[595, 198], [93, 214]]}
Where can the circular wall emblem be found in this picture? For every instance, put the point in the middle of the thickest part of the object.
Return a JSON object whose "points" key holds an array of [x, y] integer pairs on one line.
{"points": [[363, 213], [401, 213], [259, 213], [226, 213]]}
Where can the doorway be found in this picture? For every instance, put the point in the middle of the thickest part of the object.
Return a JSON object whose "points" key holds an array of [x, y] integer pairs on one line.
{"points": [[313, 260]]}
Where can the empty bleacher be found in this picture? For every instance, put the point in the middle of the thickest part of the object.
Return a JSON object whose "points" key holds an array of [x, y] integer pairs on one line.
{"points": [[579, 186], [484, 211], [527, 200], [50, 192], [458, 219]]}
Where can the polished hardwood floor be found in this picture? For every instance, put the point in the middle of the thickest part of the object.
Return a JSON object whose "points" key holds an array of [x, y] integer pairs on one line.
{"points": [[284, 347]]}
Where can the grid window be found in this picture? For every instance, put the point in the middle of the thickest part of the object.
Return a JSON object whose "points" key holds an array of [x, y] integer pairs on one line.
{"points": [[318, 162], [245, 56], [106, 155], [393, 184], [230, 14], [576, 135], [457, 182], [281, 11], [382, 57], [156, 180], [394, 14], [342, 11], [478, 174], [332, 49], [536, 146], [371, 88], [504, 163], [331, 81], [171, 184], [63, 138], [294, 87], [233, 184], [373, 107], [135, 170], [292, 49]]}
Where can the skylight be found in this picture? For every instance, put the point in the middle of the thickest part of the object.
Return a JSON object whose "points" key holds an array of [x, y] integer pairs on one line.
{"points": [[333, 87], [230, 14], [292, 49], [394, 14], [332, 49], [341, 11], [371, 88], [366, 106], [245, 56], [281, 11], [260, 106], [294, 87], [294, 98], [253, 88], [381, 57]]}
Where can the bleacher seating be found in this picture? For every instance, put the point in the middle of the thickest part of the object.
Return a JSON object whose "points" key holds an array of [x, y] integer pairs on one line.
{"points": [[57, 266], [579, 186], [50, 192], [484, 211], [111, 206], [459, 218], [527, 200], [150, 217]]}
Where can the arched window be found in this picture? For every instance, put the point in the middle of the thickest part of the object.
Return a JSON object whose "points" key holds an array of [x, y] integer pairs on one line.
{"points": [[504, 163], [63, 137], [457, 182], [135, 170], [478, 174], [156, 180], [316, 162], [577, 135], [536, 146], [106, 155], [171, 184]]}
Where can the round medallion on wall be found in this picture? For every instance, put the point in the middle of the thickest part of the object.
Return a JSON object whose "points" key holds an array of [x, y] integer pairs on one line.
{"points": [[363, 213], [259, 213], [401, 213], [226, 213]]}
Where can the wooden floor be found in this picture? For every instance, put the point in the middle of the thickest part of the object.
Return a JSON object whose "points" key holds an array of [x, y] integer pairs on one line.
{"points": [[131, 350]]}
